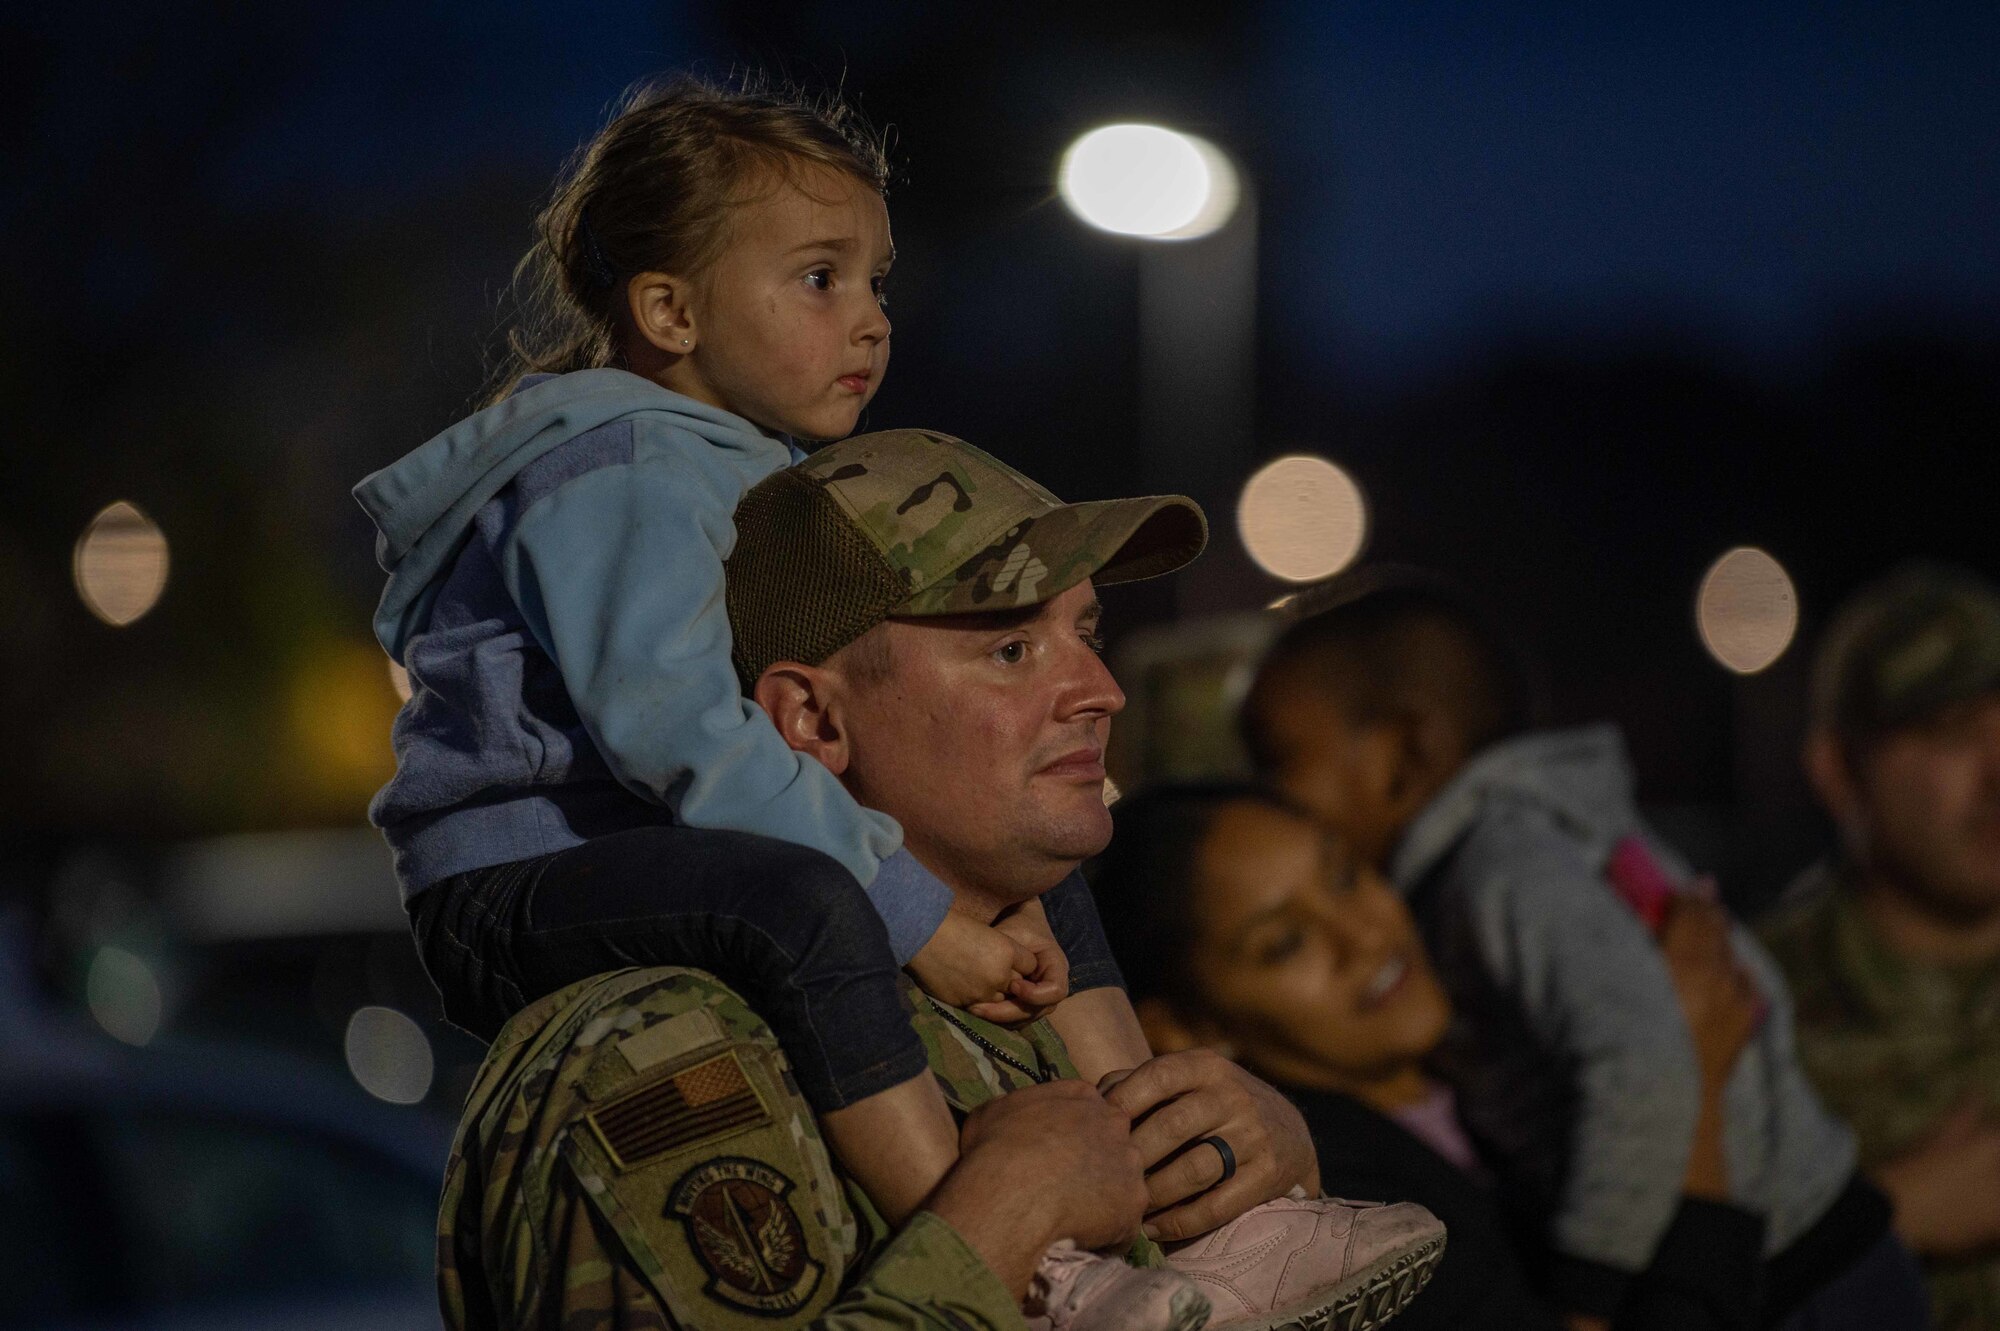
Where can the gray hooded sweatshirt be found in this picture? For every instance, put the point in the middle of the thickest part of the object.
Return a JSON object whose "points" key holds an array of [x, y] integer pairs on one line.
{"points": [[1569, 1050]]}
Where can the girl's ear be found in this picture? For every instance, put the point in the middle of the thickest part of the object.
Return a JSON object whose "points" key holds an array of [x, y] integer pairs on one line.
{"points": [[661, 312], [800, 700]]}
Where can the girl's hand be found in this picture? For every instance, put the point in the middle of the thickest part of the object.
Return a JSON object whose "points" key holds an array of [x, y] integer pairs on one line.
{"points": [[1723, 1010], [971, 966], [1718, 999], [1033, 992]]}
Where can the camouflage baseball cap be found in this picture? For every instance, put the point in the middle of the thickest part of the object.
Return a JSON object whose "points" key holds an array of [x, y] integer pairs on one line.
{"points": [[1921, 638], [908, 523]]}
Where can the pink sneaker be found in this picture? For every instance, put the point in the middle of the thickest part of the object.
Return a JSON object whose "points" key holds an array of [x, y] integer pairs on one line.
{"points": [[1325, 1265], [1077, 1290]]}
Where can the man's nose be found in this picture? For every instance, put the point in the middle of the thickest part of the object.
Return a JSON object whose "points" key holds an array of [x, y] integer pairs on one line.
{"points": [[1089, 691]]}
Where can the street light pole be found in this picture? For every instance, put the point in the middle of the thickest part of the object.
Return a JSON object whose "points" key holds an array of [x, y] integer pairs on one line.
{"points": [[1197, 321], [1198, 390]]}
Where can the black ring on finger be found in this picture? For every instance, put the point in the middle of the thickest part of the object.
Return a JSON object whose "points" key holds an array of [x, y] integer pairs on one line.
{"points": [[1228, 1157]]}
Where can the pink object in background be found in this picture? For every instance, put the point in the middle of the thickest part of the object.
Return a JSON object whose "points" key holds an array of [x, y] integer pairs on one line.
{"points": [[1638, 878]]}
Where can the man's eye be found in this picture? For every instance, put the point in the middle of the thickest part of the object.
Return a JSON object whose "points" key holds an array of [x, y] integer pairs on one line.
{"points": [[1012, 653], [1092, 641], [820, 279], [880, 287]]}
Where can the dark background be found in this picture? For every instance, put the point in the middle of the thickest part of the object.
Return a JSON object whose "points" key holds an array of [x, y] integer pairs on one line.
{"points": [[1581, 296]]}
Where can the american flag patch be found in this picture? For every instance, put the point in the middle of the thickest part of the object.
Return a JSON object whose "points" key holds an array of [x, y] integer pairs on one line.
{"points": [[708, 1100]]}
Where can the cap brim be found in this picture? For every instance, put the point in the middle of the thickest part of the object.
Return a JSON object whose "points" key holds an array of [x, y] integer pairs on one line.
{"points": [[1110, 540]]}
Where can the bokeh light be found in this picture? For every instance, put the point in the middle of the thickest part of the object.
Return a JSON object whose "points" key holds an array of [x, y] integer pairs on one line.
{"points": [[120, 564], [1302, 518], [123, 995], [389, 1055], [1142, 180], [1747, 610], [339, 716]]}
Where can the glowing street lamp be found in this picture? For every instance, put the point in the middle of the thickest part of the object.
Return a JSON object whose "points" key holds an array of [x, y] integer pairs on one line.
{"points": [[1142, 180]]}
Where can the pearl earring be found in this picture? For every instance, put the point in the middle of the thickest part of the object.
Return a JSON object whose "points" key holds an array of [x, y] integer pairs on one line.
{"points": [[684, 341]]}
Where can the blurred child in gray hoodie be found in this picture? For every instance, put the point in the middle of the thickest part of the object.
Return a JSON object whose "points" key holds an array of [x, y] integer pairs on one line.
{"points": [[1401, 718]]}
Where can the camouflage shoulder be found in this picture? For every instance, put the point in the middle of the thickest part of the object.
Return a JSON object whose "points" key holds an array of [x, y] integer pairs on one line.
{"points": [[1796, 928], [668, 1104]]}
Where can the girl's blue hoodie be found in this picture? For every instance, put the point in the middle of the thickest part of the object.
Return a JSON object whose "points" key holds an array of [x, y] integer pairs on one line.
{"points": [[555, 592]]}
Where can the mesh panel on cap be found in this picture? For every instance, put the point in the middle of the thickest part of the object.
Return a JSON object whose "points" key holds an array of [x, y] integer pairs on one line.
{"points": [[803, 581]]}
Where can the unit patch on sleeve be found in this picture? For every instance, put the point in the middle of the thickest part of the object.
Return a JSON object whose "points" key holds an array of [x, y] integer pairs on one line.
{"points": [[742, 1228]]}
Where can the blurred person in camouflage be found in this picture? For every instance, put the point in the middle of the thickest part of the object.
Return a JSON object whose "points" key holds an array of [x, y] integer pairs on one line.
{"points": [[921, 620], [1892, 945]]}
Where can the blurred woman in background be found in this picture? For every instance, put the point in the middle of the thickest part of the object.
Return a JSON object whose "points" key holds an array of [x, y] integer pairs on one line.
{"points": [[1242, 925]]}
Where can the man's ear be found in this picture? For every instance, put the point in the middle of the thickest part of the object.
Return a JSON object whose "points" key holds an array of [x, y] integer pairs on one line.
{"points": [[1832, 779], [662, 312], [1169, 1033], [802, 702]]}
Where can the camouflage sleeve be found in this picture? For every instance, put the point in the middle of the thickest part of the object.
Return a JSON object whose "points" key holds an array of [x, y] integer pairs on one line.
{"points": [[635, 1154], [924, 1278], [600, 1290]]}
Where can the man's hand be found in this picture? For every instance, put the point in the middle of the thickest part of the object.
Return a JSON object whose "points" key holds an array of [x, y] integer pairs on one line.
{"points": [[1947, 1190], [1046, 1162], [1177, 1099]]}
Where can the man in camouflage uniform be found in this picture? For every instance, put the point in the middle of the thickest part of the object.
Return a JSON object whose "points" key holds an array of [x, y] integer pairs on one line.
{"points": [[1892, 948], [633, 1153]]}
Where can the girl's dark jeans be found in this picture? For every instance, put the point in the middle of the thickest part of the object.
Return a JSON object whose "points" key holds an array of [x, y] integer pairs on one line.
{"points": [[787, 926]]}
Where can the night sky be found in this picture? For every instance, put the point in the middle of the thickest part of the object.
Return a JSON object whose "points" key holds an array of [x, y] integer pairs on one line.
{"points": [[1582, 295]]}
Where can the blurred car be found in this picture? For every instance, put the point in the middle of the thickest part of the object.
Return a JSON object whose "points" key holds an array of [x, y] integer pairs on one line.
{"points": [[200, 1184]]}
